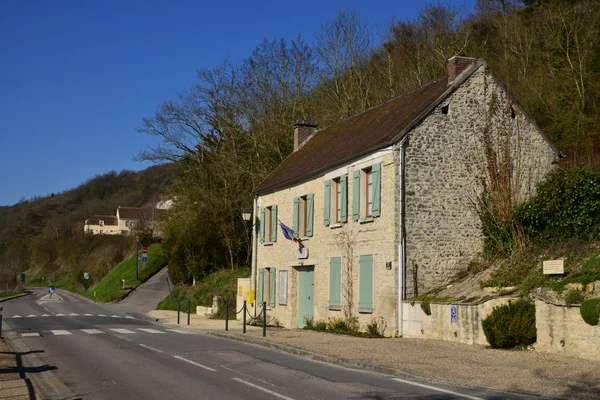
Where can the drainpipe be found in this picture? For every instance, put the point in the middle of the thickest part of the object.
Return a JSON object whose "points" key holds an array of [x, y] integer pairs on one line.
{"points": [[402, 244], [254, 249]]}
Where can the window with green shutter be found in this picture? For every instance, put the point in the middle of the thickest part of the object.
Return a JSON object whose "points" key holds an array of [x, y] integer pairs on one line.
{"points": [[376, 206], [296, 216], [327, 199], [356, 195], [272, 287], [262, 225], [343, 197], [335, 283], [260, 286], [273, 223], [303, 215], [310, 205], [365, 284]]}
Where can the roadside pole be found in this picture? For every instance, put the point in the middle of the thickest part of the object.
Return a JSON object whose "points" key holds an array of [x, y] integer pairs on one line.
{"points": [[1, 309], [137, 258]]}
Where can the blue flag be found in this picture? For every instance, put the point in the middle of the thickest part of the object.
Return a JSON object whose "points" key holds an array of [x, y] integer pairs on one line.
{"points": [[287, 232]]}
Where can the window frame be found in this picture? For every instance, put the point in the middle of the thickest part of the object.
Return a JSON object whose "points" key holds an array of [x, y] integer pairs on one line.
{"points": [[268, 223]]}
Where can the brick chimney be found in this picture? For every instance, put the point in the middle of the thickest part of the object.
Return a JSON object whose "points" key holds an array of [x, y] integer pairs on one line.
{"points": [[302, 130], [456, 65]]}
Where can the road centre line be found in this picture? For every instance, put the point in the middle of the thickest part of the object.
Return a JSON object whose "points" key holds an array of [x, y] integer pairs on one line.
{"points": [[151, 348], [262, 389], [438, 389], [195, 363]]}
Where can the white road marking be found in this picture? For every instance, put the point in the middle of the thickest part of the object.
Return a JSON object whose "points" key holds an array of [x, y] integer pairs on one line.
{"points": [[60, 332], [462, 395], [124, 338], [150, 330], [88, 315], [60, 315], [29, 334], [121, 330], [130, 317], [151, 348], [17, 316], [262, 388], [180, 331], [115, 316], [195, 363], [91, 331], [30, 315], [45, 315], [73, 315], [101, 315]]}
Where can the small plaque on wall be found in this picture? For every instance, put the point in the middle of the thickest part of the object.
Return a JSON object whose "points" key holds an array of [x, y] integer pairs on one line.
{"points": [[554, 267], [303, 253]]}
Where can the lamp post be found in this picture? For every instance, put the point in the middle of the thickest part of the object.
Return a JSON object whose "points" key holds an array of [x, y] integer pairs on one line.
{"points": [[137, 258], [246, 214]]}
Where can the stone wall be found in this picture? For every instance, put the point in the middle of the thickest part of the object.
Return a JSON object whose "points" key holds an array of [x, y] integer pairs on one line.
{"points": [[349, 240], [444, 166], [561, 329], [467, 329]]}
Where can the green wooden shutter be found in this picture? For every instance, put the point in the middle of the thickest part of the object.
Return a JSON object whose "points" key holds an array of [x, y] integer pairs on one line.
{"points": [[272, 294], [356, 195], [344, 199], [262, 225], [327, 206], [274, 223], [261, 286], [365, 291], [376, 171], [310, 198], [295, 221], [335, 282]]}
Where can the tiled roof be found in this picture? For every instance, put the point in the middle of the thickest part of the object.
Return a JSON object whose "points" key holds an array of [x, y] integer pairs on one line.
{"points": [[354, 136], [130, 212], [109, 220]]}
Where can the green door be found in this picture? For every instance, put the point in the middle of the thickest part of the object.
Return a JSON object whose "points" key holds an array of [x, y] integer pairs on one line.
{"points": [[306, 293]]}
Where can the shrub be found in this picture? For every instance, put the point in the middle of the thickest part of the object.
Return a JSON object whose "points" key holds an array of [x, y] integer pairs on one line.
{"points": [[337, 325], [321, 326], [309, 322], [573, 296], [567, 205], [426, 305], [376, 327], [511, 325], [590, 310]]}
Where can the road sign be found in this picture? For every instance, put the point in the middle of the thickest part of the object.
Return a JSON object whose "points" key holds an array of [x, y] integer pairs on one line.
{"points": [[86, 275], [22, 277], [453, 314], [51, 290], [144, 250], [144, 258]]}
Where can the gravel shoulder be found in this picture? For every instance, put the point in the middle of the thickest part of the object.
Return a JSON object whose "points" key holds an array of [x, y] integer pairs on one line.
{"points": [[553, 375]]}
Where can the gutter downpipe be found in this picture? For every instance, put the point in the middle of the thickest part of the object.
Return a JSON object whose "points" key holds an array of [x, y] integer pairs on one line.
{"points": [[402, 244], [254, 249]]}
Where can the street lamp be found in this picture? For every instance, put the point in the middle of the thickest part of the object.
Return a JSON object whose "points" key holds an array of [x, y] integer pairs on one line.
{"points": [[246, 214], [137, 258]]}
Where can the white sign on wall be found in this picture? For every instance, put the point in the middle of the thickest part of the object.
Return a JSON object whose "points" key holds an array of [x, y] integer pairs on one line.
{"points": [[554, 267]]}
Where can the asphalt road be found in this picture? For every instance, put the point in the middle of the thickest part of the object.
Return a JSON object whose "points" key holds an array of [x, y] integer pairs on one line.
{"points": [[147, 296], [77, 349]]}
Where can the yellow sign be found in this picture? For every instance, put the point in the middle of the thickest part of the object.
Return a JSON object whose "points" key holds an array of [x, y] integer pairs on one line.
{"points": [[250, 297]]}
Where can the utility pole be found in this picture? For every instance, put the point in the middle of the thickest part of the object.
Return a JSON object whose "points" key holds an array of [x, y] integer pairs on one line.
{"points": [[137, 258]]}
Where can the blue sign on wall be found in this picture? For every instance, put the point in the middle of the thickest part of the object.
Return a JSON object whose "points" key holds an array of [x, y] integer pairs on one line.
{"points": [[453, 314]]}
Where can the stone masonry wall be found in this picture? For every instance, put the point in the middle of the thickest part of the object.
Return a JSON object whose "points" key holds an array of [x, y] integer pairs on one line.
{"points": [[444, 166], [348, 240]]}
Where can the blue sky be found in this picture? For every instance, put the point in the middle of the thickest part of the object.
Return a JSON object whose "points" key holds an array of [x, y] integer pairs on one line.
{"points": [[77, 77]]}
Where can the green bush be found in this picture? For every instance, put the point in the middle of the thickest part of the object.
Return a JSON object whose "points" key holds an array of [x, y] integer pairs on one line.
{"points": [[590, 310], [309, 322], [426, 305], [567, 205], [376, 327], [574, 296], [321, 326], [511, 325]]}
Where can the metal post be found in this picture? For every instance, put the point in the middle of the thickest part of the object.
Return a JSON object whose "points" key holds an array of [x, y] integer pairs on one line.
{"points": [[178, 310], [264, 318], [137, 260], [226, 315], [189, 310], [244, 316], [1, 308]]}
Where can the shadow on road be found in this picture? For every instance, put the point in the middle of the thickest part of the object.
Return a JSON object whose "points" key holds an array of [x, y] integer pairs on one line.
{"points": [[22, 370]]}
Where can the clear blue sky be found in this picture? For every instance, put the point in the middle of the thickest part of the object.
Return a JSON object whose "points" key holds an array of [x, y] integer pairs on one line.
{"points": [[77, 77]]}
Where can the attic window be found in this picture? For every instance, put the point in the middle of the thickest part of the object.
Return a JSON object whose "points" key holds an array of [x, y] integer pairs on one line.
{"points": [[445, 109], [512, 113]]}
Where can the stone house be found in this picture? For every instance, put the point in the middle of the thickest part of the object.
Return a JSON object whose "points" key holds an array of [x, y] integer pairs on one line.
{"points": [[102, 225], [382, 201]]}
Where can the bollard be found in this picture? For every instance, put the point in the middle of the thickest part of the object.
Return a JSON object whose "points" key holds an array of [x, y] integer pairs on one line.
{"points": [[226, 315], [1, 308], [264, 318], [189, 308], [178, 310], [244, 316]]}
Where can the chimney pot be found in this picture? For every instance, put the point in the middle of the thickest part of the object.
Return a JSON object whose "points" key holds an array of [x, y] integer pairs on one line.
{"points": [[302, 130], [456, 65]]}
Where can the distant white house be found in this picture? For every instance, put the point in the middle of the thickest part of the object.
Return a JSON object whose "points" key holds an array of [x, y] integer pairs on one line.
{"points": [[127, 219]]}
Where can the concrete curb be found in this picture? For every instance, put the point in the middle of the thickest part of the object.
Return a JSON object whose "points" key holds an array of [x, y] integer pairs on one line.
{"points": [[14, 297], [351, 364]]}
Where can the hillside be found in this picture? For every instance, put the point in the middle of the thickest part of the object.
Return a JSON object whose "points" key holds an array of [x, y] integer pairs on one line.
{"points": [[46, 233]]}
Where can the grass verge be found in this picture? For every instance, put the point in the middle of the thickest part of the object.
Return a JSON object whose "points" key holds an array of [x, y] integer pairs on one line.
{"points": [[222, 283]]}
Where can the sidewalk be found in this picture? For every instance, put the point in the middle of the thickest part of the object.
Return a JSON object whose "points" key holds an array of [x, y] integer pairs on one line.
{"points": [[531, 372], [13, 384]]}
